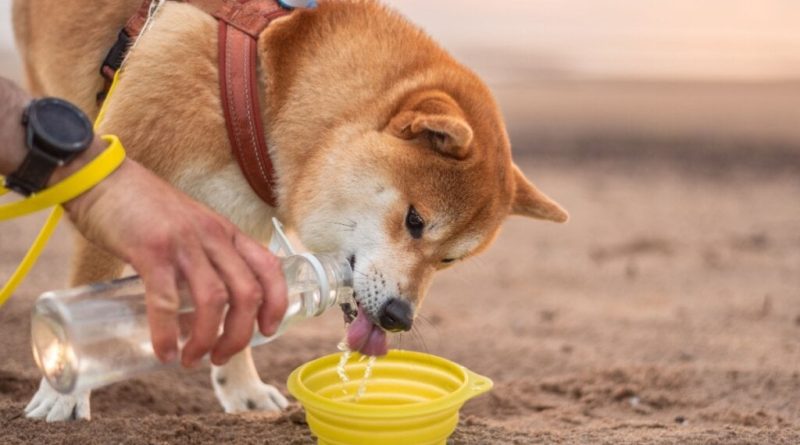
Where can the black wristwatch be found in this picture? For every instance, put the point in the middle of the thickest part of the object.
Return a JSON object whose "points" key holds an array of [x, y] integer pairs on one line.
{"points": [[56, 132]]}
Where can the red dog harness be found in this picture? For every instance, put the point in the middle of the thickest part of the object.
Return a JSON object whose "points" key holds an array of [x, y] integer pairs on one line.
{"points": [[240, 24]]}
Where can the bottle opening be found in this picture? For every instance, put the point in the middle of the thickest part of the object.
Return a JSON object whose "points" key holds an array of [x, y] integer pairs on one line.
{"points": [[339, 275]]}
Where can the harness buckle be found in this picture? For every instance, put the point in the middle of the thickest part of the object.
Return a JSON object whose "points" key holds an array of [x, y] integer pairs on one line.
{"points": [[113, 61]]}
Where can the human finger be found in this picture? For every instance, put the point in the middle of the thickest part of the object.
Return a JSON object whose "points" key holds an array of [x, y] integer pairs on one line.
{"points": [[268, 271]]}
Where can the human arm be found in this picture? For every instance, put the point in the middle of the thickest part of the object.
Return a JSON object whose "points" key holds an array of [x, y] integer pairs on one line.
{"points": [[168, 238]]}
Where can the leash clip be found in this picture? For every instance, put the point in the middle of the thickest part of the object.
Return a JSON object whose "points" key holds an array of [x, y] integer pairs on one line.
{"points": [[113, 62]]}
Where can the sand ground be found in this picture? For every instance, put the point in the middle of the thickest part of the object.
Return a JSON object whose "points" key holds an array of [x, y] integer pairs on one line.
{"points": [[667, 311]]}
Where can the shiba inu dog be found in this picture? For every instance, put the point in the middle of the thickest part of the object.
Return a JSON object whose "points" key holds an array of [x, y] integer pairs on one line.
{"points": [[385, 149]]}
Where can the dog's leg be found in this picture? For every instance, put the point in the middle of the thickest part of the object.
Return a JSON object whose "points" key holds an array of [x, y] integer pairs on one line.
{"points": [[239, 388], [91, 264]]}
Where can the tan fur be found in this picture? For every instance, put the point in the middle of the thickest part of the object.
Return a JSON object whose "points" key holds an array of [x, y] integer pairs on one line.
{"points": [[364, 115], [436, 117], [100, 266]]}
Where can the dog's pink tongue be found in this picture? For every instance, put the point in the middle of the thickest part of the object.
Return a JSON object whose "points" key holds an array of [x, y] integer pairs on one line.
{"points": [[365, 337]]}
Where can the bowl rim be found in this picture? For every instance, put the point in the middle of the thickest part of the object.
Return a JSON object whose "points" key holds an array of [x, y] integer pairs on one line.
{"points": [[473, 385]]}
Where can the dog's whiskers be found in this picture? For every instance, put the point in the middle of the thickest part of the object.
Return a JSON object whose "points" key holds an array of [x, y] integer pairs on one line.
{"points": [[418, 336], [424, 319], [348, 226], [410, 339], [361, 273], [429, 326]]}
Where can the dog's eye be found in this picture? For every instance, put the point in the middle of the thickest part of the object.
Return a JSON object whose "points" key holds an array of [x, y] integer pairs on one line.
{"points": [[414, 223], [448, 260]]}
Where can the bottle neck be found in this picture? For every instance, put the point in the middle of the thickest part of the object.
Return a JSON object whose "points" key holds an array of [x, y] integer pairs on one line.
{"points": [[335, 278]]}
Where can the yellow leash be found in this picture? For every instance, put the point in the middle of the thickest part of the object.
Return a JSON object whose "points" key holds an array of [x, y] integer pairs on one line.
{"points": [[82, 180]]}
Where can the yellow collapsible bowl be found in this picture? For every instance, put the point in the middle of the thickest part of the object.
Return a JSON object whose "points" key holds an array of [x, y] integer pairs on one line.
{"points": [[411, 398]]}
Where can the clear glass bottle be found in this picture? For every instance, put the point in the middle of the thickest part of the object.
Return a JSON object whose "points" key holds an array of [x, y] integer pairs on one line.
{"points": [[91, 336]]}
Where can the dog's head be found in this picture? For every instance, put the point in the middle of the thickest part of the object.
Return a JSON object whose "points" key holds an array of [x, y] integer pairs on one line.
{"points": [[424, 189]]}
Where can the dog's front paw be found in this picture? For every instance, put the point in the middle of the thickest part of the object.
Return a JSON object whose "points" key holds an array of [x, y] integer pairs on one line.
{"points": [[53, 406], [253, 395]]}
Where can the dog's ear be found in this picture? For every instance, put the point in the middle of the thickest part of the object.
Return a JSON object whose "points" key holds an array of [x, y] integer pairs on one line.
{"points": [[529, 201], [437, 119]]}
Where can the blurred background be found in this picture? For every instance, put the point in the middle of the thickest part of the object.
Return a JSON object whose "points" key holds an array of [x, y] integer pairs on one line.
{"points": [[624, 70], [617, 70], [666, 311]]}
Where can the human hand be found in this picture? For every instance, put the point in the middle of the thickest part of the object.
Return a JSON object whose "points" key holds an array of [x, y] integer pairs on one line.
{"points": [[169, 238]]}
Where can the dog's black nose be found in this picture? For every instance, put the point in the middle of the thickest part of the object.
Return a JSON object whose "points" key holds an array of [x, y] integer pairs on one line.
{"points": [[396, 315]]}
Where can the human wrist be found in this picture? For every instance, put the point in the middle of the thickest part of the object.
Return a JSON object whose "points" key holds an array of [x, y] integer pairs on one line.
{"points": [[78, 162], [82, 204], [13, 101], [56, 138]]}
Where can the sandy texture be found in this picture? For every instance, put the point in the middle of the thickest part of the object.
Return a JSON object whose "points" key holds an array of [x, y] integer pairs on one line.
{"points": [[667, 311]]}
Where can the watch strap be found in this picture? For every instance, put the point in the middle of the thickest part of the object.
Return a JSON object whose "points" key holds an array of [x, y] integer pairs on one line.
{"points": [[32, 175]]}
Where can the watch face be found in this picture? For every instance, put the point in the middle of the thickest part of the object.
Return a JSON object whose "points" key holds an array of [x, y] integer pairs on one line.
{"points": [[60, 128], [298, 3]]}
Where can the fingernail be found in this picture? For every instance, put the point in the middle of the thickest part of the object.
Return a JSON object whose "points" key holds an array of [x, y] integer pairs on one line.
{"points": [[270, 330], [186, 362], [171, 355]]}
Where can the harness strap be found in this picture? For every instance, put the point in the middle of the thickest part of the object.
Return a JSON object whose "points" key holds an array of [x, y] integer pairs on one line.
{"points": [[135, 24], [240, 24], [238, 84]]}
